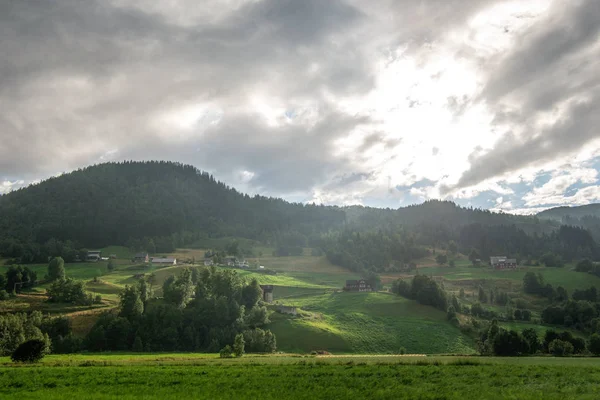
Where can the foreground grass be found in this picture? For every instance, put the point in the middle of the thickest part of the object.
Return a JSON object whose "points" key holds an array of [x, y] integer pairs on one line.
{"points": [[269, 377]]}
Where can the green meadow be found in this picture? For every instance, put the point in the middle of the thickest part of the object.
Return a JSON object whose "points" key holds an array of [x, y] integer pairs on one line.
{"points": [[180, 376], [343, 322]]}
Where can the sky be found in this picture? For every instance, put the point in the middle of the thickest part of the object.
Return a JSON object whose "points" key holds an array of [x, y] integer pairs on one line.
{"points": [[488, 103]]}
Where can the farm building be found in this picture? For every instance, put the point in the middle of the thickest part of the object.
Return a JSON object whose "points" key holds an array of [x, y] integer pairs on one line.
{"points": [[229, 261], [360, 285], [208, 262], [94, 255], [267, 293], [165, 261], [141, 257], [501, 262]]}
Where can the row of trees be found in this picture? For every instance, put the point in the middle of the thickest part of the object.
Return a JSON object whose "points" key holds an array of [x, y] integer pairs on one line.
{"points": [[495, 340]]}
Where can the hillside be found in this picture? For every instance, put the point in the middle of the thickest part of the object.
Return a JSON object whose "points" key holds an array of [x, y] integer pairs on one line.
{"points": [[558, 213], [114, 202], [160, 206]]}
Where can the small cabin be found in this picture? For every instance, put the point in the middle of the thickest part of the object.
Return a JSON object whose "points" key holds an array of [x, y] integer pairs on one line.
{"points": [[93, 256], [359, 285], [502, 262], [141, 258]]}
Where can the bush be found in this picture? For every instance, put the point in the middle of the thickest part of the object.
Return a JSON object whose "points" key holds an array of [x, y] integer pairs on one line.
{"points": [[560, 348], [238, 345], [4, 295], [30, 351], [226, 352]]}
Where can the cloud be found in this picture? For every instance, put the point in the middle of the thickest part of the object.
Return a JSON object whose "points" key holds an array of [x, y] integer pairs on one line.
{"points": [[545, 94], [335, 101]]}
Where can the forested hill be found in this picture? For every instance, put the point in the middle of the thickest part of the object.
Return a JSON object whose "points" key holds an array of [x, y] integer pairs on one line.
{"points": [[558, 213], [158, 206], [111, 203]]}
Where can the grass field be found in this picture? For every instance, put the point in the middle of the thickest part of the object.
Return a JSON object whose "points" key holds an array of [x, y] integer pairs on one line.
{"points": [[565, 277], [342, 322], [329, 319], [179, 376]]}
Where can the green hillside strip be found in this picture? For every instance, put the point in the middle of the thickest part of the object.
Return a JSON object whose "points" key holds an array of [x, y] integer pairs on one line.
{"points": [[564, 277], [83, 271], [367, 323]]}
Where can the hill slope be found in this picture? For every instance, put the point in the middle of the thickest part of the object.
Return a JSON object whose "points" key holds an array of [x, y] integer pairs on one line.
{"points": [[559, 213], [159, 206], [111, 203]]}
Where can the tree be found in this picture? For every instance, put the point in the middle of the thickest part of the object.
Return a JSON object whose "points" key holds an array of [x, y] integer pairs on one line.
{"points": [[561, 294], [560, 348], [30, 351], [482, 296], [461, 293], [456, 304], [145, 290], [238, 345], [441, 259], [594, 345], [251, 294], [452, 247], [510, 343], [233, 248], [474, 256], [179, 290], [531, 336], [56, 269], [552, 260], [131, 303], [532, 283], [138, 346], [111, 265]]}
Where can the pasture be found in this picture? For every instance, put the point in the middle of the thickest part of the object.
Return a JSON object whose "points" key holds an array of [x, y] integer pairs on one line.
{"points": [[381, 323], [178, 376]]}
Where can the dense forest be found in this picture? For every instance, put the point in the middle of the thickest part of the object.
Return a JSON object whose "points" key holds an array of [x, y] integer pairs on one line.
{"points": [[158, 206], [116, 203]]}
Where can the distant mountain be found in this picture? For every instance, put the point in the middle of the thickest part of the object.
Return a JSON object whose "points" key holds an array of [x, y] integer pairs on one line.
{"points": [[559, 213]]}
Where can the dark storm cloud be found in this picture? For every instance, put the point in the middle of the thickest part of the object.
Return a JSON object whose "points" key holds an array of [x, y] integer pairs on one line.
{"points": [[554, 69]]}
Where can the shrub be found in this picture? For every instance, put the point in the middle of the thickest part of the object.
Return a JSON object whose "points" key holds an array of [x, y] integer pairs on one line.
{"points": [[30, 351], [238, 345], [226, 352], [560, 348], [4, 295]]}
